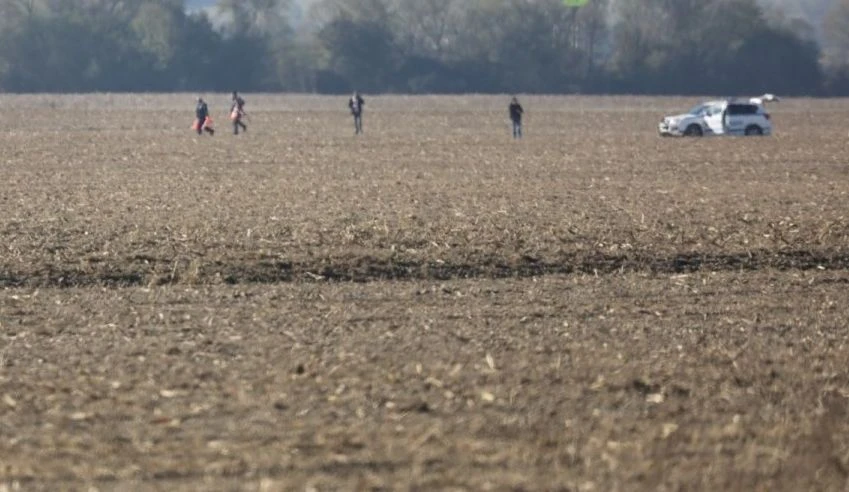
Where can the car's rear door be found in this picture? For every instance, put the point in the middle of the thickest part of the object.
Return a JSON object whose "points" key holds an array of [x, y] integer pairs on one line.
{"points": [[737, 117]]}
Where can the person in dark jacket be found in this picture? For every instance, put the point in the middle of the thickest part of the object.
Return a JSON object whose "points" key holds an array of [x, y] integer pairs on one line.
{"points": [[355, 104], [237, 112], [516, 113], [203, 123]]}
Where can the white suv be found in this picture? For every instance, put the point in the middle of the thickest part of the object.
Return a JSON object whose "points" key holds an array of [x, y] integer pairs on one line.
{"points": [[724, 117]]}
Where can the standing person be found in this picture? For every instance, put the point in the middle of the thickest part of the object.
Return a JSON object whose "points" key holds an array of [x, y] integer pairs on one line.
{"points": [[356, 104], [203, 123], [237, 111], [516, 113]]}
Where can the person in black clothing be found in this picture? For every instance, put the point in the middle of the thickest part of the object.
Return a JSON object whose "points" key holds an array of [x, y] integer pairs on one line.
{"points": [[355, 104], [516, 113], [237, 111], [202, 115]]}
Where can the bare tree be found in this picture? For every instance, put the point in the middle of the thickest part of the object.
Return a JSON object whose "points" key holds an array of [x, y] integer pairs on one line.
{"points": [[836, 37], [258, 17], [427, 26], [14, 11]]}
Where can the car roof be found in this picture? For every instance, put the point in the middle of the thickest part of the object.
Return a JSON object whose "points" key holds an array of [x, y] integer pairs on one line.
{"points": [[729, 100], [740, 100]]}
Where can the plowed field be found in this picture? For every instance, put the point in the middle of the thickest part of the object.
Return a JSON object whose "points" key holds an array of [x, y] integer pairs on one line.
{"points": [[429, 306]]}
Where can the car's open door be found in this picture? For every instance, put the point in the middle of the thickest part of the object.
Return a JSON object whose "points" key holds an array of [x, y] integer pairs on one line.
{"points": [[713, 120]]}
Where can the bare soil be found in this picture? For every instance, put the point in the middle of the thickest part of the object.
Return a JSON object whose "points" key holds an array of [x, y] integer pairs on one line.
{"points": [[430, 306]]}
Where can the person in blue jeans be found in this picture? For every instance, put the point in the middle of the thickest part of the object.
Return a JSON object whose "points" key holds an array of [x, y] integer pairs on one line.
{"points": [[516, 113]]}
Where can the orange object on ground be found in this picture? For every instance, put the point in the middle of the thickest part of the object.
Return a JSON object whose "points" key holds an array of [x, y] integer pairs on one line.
{"points": [[207, 123]]}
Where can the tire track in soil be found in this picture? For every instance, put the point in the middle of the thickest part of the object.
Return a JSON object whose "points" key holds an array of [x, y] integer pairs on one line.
{"points": [[370, 269]]}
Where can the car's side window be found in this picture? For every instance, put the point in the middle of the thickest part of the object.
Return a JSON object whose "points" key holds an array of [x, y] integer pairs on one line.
{"points": [[742, 109]]}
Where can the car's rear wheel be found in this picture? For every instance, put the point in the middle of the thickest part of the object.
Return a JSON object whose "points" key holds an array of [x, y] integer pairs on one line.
{"points": [[694, 130], [753, 130]]}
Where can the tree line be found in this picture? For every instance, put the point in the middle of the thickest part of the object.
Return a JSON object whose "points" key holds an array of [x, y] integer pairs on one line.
{"points": [[421, 46]]}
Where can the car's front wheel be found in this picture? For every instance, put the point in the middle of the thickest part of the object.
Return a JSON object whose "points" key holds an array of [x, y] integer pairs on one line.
{"points": [[754, 130], [694, 130]]}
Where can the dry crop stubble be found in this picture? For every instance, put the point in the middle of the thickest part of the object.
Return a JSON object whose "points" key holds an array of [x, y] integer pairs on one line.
{"points": [[592, 307]]}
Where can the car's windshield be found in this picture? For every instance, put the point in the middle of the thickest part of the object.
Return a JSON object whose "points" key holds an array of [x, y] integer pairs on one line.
{"points": [[699, 110]]}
